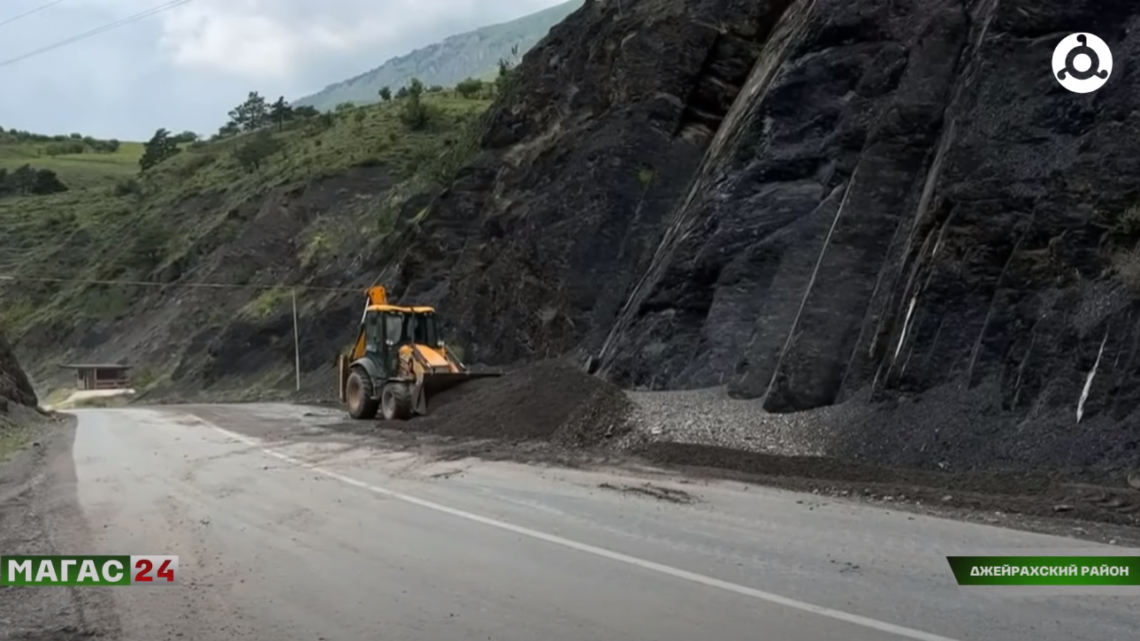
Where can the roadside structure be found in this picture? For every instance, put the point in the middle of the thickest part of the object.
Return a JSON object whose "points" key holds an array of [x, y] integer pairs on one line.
{"points": [[101, 376]]}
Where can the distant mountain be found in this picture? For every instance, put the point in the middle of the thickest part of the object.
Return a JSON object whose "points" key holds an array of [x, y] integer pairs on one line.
{"points": [[472, 54]]}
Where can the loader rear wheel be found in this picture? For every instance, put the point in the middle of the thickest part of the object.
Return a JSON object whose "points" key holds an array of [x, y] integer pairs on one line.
{"points": [[358, 391], [396, 402]]}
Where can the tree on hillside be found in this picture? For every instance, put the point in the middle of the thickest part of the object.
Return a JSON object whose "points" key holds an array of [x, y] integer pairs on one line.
{"points": [[280, 112], [323, 122], [21, 180], [306, 112], [106, 146], [385, 93], [160, 147], [504, 76], [470, 87], [402, 93], [186, 137], [253, 152], [26, 180], [414, 112], [345, 106], [47, 182], [251, 115], [506, 66], [227, 130], [71, 147]]}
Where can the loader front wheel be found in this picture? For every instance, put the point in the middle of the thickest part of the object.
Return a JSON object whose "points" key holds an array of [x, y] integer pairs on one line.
{"points": [[396, 402], [358, 392]]}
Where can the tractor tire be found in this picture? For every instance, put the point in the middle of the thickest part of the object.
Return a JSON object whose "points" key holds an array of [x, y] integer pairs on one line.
{"points": [[396, 402], [358, 391]]}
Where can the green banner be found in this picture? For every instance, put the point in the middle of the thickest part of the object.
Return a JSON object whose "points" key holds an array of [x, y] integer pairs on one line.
{"points": [[1046, 570], [65, 570]]}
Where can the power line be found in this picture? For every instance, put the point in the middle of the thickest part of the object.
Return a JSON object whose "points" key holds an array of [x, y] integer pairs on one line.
{"points": [[29, 12], [94, 32], [151, 283]]}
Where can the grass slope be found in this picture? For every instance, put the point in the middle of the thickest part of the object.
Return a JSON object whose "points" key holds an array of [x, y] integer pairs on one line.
{"points": [[474, 54], [77, 171], [186, 211]]}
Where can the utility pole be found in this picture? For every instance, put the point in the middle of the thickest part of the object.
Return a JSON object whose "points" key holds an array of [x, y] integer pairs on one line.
{"points": [[296, 342]]}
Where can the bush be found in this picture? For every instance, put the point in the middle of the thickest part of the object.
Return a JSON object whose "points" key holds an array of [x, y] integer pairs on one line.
{"points": [[127, 187], [470, 88], [62, 148], [414, 113], [47, 182], [252, 153]]}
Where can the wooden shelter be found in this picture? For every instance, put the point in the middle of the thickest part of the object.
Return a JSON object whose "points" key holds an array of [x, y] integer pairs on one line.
{"points": [[101, 376]]}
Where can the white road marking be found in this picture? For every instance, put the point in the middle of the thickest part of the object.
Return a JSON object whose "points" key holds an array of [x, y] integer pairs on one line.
{"points": [[847, 617]]}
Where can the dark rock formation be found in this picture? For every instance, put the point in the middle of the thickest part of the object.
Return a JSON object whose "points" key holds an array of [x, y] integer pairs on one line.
{"points": [[905, 199], [536, 245], [898, 198], [14, 385]]}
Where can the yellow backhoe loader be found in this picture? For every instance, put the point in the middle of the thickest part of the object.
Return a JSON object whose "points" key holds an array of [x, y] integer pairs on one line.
{"points": [[398, 362]]}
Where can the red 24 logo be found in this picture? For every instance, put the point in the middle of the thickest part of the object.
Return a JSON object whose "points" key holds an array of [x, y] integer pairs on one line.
{"points": [[144, 566]]}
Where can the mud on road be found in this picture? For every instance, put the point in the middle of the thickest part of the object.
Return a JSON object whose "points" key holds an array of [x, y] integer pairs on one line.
{"points": [[39, 515], [553, 413]]}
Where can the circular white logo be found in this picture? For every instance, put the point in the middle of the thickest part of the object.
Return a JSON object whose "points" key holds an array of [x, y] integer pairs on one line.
{"points": [[1082, 63]]}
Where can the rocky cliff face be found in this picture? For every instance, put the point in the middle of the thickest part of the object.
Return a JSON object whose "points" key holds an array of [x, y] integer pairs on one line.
{"points": [[809, 200], [536, 245], [906, 199], [14, 385]]}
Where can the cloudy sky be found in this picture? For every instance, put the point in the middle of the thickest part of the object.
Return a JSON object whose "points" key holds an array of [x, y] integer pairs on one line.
{"points": [[185, 67]]}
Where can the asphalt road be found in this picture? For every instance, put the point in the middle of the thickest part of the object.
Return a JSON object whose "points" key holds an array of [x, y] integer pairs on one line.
{"points": [[286, 531]]}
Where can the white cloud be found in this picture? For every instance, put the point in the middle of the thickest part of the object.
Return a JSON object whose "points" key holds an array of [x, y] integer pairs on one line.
{"points": [[184, 67]]}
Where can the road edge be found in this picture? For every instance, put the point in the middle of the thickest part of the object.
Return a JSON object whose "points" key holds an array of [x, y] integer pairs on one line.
{"points": [[40, 514]]}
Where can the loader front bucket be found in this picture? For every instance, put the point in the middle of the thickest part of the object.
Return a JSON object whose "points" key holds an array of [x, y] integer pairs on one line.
{"points": [[437, 383]]}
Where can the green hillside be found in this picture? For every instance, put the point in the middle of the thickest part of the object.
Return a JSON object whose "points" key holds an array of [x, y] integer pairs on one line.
{"points": [[78, 161], [176, 217], [475, 54]]}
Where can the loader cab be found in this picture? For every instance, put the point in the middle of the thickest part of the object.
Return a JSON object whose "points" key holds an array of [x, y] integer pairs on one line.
{"points": [[386, 330], [383, 335]]}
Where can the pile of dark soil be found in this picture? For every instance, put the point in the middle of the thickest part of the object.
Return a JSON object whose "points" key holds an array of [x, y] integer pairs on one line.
{"points": [[548, 401]]}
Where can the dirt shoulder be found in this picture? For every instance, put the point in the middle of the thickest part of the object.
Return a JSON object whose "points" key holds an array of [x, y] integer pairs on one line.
{"points": [[39, 515]]}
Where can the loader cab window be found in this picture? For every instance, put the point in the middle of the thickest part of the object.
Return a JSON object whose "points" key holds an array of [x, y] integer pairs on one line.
{"points": [[425, 330], [394, 329], [374, 335]]}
